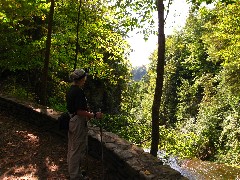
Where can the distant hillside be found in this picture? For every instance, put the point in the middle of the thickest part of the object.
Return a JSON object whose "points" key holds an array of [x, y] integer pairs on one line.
{"points": [[138, 72]]}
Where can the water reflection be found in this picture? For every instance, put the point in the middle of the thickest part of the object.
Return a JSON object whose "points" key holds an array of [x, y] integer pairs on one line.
{"points": [[195, 169], [210, 170]]}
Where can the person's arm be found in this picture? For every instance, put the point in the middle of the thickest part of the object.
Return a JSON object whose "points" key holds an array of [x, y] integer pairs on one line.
{"points": [[97, 115], [85, 114]]}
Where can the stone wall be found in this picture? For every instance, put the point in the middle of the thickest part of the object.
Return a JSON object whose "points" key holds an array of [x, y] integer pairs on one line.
{"points": [[122, 159]]}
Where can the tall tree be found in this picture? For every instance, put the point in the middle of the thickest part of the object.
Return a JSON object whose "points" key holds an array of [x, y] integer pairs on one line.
{"points": [[43, 99], [159, 79]]}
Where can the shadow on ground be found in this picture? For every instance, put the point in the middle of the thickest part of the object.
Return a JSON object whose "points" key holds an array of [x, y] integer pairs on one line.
{"points": [[27, 152]]}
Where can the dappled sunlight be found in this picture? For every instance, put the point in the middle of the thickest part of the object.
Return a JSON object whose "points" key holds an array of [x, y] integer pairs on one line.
{"points": [[33, 138], [21, 172], [43, 110], [51, 165], [29, 136], [37, 109], [27, 153]]}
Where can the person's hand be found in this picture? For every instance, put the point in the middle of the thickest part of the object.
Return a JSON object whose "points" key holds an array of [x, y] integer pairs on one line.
{"points": [[99, 115]]}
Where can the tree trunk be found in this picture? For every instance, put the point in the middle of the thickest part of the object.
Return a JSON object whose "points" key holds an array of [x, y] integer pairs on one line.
{"points": [[159, 79], [43, 98], [77, 44]]}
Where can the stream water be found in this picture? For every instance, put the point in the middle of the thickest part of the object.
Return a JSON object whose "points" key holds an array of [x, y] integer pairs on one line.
{"points": [[195, 169]]}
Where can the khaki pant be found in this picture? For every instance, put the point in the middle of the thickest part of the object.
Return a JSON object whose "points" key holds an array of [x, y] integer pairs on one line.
{"points": [[77, 145]]}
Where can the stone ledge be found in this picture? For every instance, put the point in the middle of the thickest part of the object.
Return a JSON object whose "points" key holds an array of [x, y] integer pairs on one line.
{"points": [[122, 159]]}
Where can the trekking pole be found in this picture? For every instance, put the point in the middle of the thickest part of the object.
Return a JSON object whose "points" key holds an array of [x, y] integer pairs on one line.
{"points": [[101, 134]]}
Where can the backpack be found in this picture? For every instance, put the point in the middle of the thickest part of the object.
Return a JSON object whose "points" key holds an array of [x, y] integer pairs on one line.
{"points": [[63, 120]]}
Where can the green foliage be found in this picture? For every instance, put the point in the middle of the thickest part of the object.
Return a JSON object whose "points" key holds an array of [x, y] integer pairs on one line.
{"points": [[229, 140], [22, 26], [57, 99], [135, 104], [202, 75], [12, 88], [134, 15], [200, 101], [180, 143], [127, 128], [102, 49], [224, 45]]}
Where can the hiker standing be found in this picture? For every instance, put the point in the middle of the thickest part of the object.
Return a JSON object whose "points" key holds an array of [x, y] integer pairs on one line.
{"points": [[78, 130]]}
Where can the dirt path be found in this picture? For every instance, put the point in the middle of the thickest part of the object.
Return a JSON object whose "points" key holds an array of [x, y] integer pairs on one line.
{"points": [[28, 153]]}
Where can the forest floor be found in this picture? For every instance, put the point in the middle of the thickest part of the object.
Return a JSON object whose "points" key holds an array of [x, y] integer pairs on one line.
{"points": [[29, 153]]}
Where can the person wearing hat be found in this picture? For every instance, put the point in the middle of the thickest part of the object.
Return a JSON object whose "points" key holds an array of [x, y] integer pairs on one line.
{"points": [[78, 130]]}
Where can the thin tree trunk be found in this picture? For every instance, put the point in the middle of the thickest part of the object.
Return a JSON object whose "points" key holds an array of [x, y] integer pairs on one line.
{"points": [[159, 79], [77, 44], [43, 99]]}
